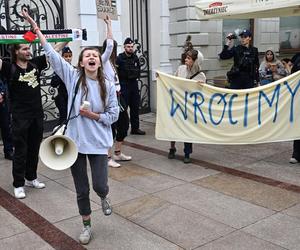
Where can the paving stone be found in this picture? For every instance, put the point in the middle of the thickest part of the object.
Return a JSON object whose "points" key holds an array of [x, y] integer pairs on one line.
{"points": [[177, 169], [114, 232], [289, 173], [54, 202], [293, 211], [10, 225], [24, 241], [181, 226], [279, 229], [239, 241], [220, 207], [53, 174], [257, 193], [140, 208], [143, 179]]}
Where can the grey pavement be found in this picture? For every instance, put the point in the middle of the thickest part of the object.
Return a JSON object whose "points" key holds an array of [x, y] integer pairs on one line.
{"points": [[165, 204]]}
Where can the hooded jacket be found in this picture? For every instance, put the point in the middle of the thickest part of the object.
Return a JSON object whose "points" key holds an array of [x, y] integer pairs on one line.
{"points": [[265, 71], [184, 72]]}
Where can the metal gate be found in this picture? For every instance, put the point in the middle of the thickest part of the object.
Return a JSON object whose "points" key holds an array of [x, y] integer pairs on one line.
{"points": [[49, 15], [139, 33]]}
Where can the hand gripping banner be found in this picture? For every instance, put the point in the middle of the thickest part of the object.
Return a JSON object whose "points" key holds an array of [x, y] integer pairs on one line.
{"points": [[21, 36], [199, 113]]}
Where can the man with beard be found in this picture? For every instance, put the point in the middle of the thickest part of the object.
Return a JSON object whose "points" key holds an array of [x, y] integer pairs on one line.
{"points": [[128, 67], [23, 75]]}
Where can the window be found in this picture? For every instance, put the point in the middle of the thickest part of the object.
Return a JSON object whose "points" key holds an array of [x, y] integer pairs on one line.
{"points": [[289, 33], [235, 26]]}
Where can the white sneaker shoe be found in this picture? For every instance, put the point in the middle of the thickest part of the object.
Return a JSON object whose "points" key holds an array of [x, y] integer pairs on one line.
{"points": [[122, 157], [86, 235], [19, 193], [35, 184], [113, 164], [293, 161]]}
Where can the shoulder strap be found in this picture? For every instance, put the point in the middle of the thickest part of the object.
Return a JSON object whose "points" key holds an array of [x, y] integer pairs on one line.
{"points": [[194, 75], [69, 115], [72, 105]]}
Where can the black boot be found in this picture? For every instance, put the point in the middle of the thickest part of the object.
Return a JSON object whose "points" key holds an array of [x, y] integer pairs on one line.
{"points": [[187, 158], [172, 152]]}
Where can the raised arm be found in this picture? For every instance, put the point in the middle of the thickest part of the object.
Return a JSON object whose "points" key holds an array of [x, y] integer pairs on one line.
{"points": [[109, 34], [109, 42], [59, 46], [34, 26]]}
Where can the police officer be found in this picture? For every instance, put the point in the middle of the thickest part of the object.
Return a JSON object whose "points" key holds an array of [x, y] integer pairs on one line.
{"points": [[244, 72], [5, 123], [128, 66]]}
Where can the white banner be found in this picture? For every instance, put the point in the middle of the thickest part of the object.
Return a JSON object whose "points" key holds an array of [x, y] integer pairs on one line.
{"points": [[190, 112], [245, 9]]}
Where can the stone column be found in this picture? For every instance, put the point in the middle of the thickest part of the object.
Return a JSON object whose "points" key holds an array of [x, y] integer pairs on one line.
{"points": [[165, 64]]}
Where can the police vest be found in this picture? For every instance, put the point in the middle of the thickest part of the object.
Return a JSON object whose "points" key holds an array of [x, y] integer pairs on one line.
{"points": [[129, 68]]}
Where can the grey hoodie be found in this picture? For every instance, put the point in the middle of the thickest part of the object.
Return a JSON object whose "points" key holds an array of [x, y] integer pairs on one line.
{"points": [[90, 136]]}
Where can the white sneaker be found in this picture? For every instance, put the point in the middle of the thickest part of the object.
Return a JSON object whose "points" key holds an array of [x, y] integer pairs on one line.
{"points": [[19, 193], [86, 235], [293, 161], [122, 157], [35, 184], [113, 164]]}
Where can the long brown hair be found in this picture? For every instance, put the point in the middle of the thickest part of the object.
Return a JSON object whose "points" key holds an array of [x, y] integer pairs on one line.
{"points": [[13, 49], [113, 56], [100, 77]]}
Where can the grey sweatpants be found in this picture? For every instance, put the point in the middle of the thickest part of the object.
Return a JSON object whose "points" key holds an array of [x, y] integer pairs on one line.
{"points": [[98, 165]]}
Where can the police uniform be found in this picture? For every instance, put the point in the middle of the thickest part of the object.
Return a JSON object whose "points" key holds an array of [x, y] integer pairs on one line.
{"points": [[128, 67], [244, 72]]}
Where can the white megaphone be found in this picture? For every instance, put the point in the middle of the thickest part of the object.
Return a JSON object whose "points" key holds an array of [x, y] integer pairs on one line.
{"points": [[58, 151]]}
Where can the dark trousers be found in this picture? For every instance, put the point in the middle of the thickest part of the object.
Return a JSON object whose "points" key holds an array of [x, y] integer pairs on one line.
{"points": [[296, 150], [98, 165], [188, 147], [27, 137], [120, 127], [130, 92], [62, 105], [5, 126]]}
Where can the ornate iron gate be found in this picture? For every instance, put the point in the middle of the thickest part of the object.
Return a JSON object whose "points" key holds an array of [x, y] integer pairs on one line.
{"points": [[139, 33], [49, 15]]}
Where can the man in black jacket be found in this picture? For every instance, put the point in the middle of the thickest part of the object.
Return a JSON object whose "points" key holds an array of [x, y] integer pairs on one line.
{"points": [[244, 72], [128, 66]]}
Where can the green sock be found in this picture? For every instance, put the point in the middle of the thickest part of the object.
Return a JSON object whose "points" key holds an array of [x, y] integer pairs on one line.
{"points": [[87, 222]]}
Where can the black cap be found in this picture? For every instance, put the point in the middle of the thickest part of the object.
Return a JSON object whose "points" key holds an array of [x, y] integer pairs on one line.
{"points": [[246, 33], [128, 40], [66, 50]]}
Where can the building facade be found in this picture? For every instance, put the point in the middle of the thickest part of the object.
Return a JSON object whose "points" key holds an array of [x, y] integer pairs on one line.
{"points": [[160, 28]]}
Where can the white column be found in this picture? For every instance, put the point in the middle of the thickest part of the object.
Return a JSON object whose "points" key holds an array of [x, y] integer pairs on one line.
{"points": [[165, 64], [89, 20]]}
